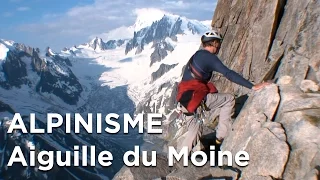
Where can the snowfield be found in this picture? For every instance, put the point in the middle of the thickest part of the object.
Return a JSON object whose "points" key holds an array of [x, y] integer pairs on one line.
{"points": [[3, 51], [134, 70]]}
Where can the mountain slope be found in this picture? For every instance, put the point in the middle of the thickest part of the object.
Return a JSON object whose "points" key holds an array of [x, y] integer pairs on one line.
{"points": [[35, 82], [22, 66]]}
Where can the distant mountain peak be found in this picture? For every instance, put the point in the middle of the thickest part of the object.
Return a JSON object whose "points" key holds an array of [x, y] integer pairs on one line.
{"points": [[7, 42], [146, 16], [169, 26], [96, 40], [97, 44], [49, 52], [151, 25]]}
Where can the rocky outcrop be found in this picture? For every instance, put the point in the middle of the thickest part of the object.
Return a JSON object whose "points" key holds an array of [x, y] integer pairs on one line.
{"points": [[299, 114], [163, 171], [112, 44], [161, 71], [132, 173], [69, 51], [23, 64], [255, 132], [14, 69], [99, 44], [279, 127], [160, 51], [27, 49], [58, 79], [37, 63], [205, 172], [6, 108], [49, 52]]}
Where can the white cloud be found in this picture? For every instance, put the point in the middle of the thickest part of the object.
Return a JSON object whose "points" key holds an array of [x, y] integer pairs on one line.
{"points": [[176, 5], [23, 8], [7, 14]]}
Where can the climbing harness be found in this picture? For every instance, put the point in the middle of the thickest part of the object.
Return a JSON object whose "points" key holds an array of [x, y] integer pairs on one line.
{"points": [[199, 114]]}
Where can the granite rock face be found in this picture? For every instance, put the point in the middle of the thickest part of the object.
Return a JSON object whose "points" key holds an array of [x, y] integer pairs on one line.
{"points": [[205, 172], [299, 114], [248, 28], [277, 40], [161, 71], [160, 51], [163, 171], [254, 132]]}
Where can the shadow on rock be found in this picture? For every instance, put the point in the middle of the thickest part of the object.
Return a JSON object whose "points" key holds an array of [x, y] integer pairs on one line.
{"points": [[240, 101]]}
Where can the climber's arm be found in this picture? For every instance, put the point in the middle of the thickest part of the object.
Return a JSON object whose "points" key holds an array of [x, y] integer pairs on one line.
{"points": [[216, 65]]}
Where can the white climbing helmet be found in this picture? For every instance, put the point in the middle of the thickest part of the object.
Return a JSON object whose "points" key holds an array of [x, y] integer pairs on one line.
{"points": [[210, 36]]}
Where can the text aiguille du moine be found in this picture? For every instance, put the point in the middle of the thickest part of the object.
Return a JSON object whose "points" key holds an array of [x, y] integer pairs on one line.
{"points": [[45, 160]]}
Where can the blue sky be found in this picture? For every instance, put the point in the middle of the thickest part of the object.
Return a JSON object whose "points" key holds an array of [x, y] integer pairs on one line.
{"points": [[64, 23]]}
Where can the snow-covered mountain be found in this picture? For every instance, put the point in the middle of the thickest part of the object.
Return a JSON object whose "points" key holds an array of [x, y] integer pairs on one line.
{"points": [[23, 67], [163, 31], [40, 82], [150, 62], [144, 18], [98, 44], [120, 75]]}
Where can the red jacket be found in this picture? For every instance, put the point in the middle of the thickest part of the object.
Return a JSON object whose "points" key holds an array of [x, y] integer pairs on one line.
{"points": [[192, 92]]}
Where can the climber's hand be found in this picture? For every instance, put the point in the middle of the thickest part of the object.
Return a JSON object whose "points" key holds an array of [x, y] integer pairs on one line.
{"points": [[260, 85]]}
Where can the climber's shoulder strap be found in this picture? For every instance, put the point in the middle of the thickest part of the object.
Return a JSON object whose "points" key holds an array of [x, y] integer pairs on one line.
{"points": [[194, 72]]}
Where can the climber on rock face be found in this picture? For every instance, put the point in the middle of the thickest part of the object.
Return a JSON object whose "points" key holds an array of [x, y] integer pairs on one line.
{"points": [[195, 88]]}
